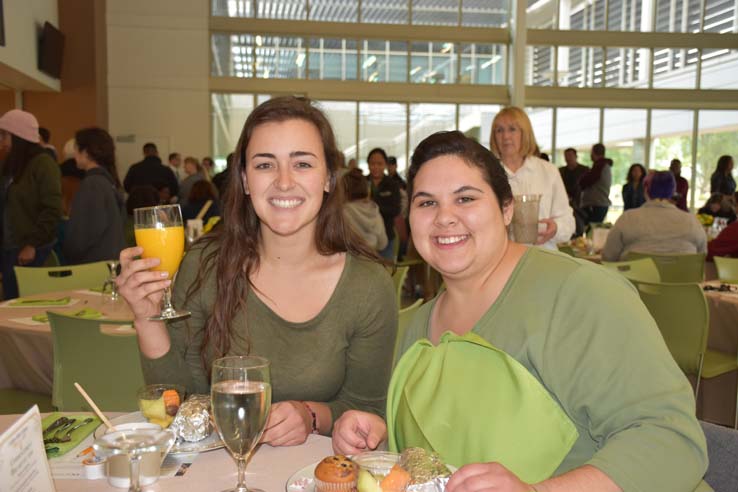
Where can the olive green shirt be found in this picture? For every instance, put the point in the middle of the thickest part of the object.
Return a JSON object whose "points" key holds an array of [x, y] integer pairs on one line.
{"points": [[341, 357], [584, 334]]}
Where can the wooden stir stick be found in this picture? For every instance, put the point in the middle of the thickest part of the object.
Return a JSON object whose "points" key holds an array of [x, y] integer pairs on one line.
{"points": [[94, 407]]}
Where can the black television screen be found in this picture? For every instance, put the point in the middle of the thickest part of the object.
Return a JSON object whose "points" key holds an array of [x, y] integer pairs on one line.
{"points": [[50, 51]]}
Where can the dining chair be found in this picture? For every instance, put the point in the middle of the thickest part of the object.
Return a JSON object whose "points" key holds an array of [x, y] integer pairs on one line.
{"points": [[689, 267], [682, 315], [403, 321], [101, 355], [19, 401], [727, 269], [398, 279], [38, 280], [643, 269]]}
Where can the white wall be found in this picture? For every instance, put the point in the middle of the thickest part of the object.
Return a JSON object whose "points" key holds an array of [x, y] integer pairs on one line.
{"points": [[158, 70], [23, 22]]}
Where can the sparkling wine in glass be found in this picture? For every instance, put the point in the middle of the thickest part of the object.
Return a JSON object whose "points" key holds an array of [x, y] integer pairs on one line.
{"points": [[241, 397], [160, 233]]}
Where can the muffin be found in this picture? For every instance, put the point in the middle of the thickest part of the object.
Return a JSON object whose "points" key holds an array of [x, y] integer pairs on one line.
{"points": [[336, 474]]}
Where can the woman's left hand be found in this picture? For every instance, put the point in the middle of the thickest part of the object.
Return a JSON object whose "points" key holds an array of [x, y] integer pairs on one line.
{"points": [[26, 255], [289, 424], [486, 477], [551, 228]]}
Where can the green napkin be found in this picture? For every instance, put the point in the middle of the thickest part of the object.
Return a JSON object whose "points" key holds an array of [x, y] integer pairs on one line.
{"points": [[78, 435], [86, 313], [61, 301]]}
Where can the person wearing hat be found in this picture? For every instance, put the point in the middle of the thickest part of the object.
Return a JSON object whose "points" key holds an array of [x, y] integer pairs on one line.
{"points": [[657, 226], [30, 196]]}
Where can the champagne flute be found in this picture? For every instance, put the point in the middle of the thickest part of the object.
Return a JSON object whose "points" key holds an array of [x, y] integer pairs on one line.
{"points": [[241, 397], [160, 233]]}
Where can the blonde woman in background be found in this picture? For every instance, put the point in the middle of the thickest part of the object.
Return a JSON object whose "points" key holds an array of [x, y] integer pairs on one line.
{"points": [[513, 142]]}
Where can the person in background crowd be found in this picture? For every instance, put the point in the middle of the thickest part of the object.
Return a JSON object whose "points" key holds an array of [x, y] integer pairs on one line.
{"points": [[513, 142], [95, 231], [139, 197], [719, 205], [725, 244], [283, 277], [175, 164], [208, 167], [682, 185], [201, 192], [392, 172], [45, 136], [150, 171], [71, 176], [361, 212], [193, 172], [352, 164], [657, 226], [596, 185], [722, 180], [386, 193], [633, 191], [30, 195], [571, 173], [220, 180]]}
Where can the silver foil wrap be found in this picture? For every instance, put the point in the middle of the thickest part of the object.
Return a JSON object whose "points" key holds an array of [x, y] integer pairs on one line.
{"points": [[438, 484], [192, 422]]}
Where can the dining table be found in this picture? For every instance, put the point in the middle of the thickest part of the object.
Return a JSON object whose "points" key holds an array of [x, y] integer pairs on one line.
{"points": [[26, 348], [268, 469]]}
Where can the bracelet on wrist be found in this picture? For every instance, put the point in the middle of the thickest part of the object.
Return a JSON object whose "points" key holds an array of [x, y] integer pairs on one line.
{"points": [[314, 417]]}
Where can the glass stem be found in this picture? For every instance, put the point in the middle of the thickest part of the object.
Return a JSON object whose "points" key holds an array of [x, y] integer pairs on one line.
{"points": [[241, 487], [134, 467], [167, 307]]}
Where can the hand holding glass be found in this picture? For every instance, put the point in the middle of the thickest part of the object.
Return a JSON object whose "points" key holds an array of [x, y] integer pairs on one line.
{"points": [[241, 397], [160, 233]]}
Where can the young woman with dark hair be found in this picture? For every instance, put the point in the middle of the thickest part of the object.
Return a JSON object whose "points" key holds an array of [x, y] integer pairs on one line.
{"points": [[283, 277], [722, 180], [96, 227], [525, 345], [30, 195], [633, 190]]}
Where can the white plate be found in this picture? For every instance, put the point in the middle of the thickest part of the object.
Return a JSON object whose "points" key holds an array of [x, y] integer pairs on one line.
{"points": [[303, 480], [211, 442]]}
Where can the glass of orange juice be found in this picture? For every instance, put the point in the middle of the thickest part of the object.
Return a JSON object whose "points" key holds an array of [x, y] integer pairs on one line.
{"points": [[159, 231]]}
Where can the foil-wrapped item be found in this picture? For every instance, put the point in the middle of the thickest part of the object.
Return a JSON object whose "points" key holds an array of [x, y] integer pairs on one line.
{"points": [[192, 422], [437, 484]]}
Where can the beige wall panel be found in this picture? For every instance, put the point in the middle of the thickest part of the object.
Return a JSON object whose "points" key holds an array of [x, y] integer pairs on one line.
{"points": [[158, 72]]}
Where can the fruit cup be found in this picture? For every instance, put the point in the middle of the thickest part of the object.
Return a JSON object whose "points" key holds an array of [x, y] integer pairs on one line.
{"points": [[159, 402], [379, 471]]}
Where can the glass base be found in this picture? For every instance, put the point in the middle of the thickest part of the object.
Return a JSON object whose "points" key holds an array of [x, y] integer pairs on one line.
{"points": [[239, 489], [170, 314]]}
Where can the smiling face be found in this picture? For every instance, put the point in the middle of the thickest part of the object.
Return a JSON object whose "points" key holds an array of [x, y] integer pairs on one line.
{"points": [[455, 218], [377, 165], [285, 175], [508, 137]]}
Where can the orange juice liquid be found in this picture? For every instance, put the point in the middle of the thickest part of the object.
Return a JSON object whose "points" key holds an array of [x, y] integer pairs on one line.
{"points": [[167, 244]]}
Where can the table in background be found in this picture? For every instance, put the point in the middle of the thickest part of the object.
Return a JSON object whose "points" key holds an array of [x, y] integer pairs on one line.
{"points": [[717, 398], [269, 469], [26, 351]]}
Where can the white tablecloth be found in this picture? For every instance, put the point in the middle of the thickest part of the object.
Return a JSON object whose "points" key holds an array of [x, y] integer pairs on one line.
{"points": [[26, 354], [268, 470]]}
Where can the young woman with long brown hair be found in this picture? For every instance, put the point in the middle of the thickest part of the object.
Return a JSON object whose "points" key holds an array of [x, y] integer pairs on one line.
{"points": [[283, 278]]}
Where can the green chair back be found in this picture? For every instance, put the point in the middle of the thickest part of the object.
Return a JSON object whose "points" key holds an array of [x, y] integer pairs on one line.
{"points": [[106, 363], [677, 268], [682, 315], [38, 280], [398, 279], [643, 269], [727, 269], [403, 321], [18, 401]]}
